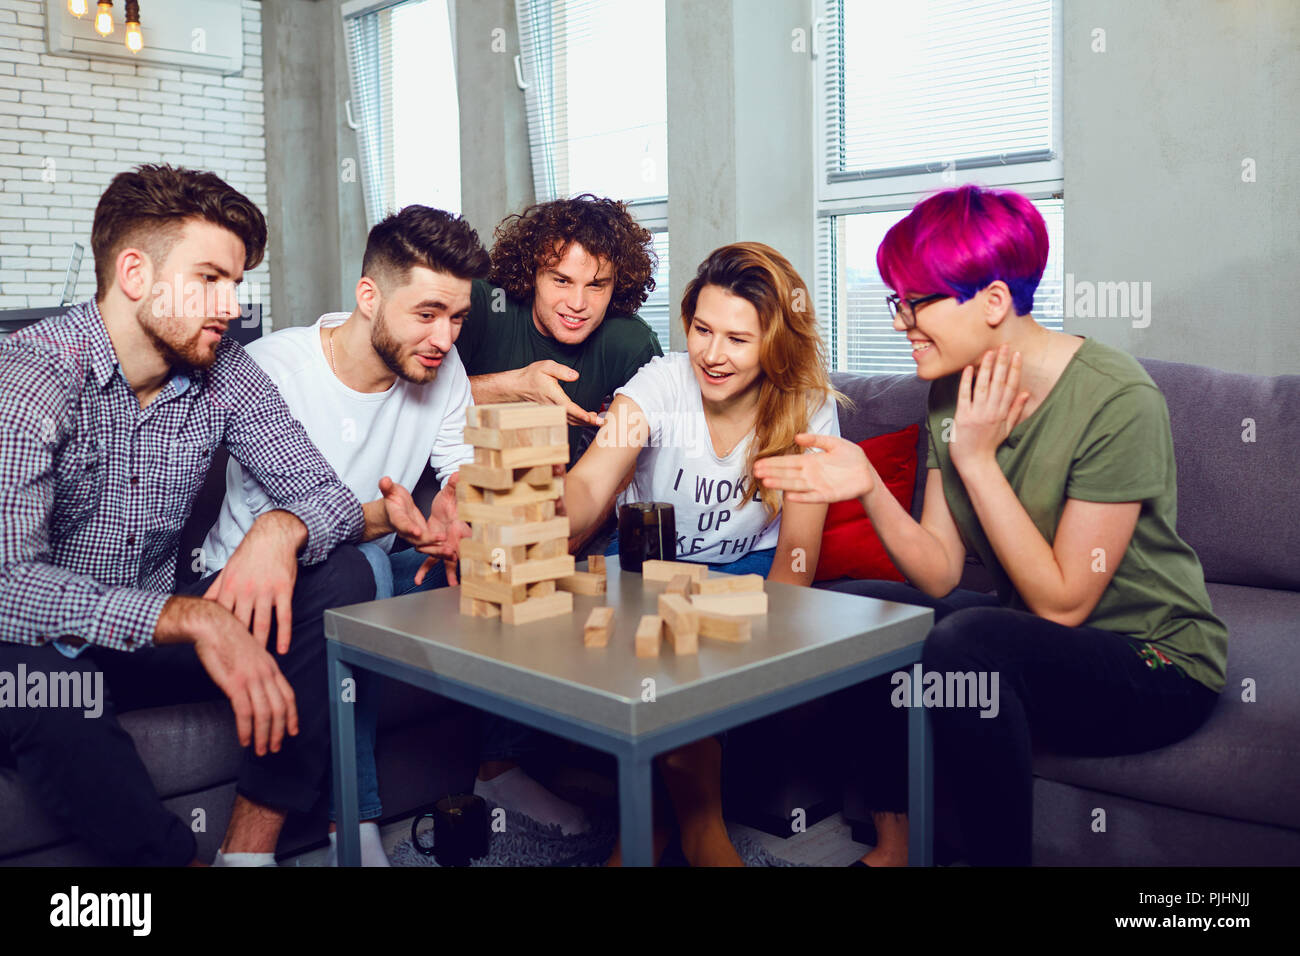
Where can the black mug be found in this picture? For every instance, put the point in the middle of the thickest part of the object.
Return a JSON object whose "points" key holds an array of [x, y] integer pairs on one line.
{"points": [[460, 830], [647, 531]]}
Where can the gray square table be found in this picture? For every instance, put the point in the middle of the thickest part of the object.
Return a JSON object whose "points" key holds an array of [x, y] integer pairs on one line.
{"points": [[810, 644]]}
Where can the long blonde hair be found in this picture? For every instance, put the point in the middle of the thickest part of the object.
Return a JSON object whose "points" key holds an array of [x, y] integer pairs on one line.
{"points": [[792, 355]]}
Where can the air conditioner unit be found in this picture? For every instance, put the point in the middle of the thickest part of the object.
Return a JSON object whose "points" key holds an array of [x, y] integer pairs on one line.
{"points": [[189, 34]]}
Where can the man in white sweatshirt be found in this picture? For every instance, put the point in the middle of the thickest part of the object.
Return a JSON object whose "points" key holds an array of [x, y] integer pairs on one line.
{"points": [[380, 391]]}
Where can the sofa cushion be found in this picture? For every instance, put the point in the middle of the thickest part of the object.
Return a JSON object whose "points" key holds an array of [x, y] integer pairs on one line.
{"points": [[1244, 762], [850, 546], [882, 404], [1238, 500]]}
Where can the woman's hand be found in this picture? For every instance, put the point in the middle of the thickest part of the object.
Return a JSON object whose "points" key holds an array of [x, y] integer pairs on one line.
{"points": [[842, 473], [989, 406]]}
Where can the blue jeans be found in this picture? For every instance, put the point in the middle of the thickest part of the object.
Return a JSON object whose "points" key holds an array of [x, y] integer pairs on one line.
{"points": [[756, 562], [394, 576]]}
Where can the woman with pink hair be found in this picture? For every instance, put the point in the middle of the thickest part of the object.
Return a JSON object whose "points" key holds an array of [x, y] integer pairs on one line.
{"points": [[1050, 456]]}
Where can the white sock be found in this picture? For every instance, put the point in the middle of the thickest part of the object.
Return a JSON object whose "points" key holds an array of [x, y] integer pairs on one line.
{"points": [[244, 859], [517, 791], [372, 847]]}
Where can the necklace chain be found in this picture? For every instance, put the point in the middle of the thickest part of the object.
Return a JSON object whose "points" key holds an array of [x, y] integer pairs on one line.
{"points": [[333, 367]]}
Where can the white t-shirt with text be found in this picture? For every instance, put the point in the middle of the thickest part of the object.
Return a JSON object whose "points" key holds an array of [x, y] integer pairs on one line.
{"points": [[679, 466]]}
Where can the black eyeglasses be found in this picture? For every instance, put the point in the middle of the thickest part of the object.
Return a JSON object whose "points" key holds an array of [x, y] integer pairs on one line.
{"points": [[896, 307]]}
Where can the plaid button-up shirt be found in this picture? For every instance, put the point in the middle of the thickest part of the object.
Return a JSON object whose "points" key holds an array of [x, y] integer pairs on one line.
{"points": [[94, 489]]}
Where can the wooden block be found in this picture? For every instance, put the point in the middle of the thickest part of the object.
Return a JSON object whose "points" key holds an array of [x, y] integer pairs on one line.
{"points": [[523, 493], [473, 608], [747, 602], [482, 476], [522, 457], [532, 533], [600, 622], [498, 556], [485, 589], [681, 584], [536, 476], [535, 609], [473, 512], [554, 548], [514, 415], [582, 582], [509, 575], [729, 584], [542, 588], [667, 570], [501, 438], [724, 627], [596, 563], [648, 634], [681, 623], [467, 492]]}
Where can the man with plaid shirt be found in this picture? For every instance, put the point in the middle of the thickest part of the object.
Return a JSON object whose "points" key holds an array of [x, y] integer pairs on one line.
{"points": [[109, 416]]}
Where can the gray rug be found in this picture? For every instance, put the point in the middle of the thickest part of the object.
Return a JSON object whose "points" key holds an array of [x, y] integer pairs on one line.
{"points": [[526, 842]]}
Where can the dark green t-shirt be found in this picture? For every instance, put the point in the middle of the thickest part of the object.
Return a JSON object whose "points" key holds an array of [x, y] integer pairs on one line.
{"points": [[506, 338], [1101, 434]]}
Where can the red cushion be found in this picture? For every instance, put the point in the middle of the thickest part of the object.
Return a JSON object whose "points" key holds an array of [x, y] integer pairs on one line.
{"points": [[850, 545]]}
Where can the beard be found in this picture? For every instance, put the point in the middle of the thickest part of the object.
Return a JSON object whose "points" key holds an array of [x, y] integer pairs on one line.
{"points": [[167, 334], [389, 351]]}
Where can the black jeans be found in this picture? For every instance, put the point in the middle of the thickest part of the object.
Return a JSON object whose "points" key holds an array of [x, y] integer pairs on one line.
{"points": [[85, 770], [1072, 690]]}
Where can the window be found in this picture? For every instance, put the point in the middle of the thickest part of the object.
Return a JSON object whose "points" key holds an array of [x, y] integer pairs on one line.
{"points": [[595, 86], [404, 103], [916, 98]]}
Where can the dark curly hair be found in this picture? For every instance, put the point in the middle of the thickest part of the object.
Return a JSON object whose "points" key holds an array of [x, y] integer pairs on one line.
{"points": [[148, 207], [422, 236], [542, 234]]}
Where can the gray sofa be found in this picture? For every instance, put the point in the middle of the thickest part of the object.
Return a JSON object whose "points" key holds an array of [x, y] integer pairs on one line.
{"points": [[1230, 793]]}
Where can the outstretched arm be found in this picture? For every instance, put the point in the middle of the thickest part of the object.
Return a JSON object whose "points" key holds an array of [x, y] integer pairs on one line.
{"points": [[929, 554], [591, 486]]}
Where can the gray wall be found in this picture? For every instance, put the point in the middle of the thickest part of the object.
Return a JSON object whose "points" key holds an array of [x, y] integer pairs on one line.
{"points": [[1156, 129], [315, 213], [740, 121], [496, 173]]}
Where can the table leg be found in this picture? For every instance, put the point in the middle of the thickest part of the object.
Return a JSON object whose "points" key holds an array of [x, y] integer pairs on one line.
{"points": [[343, 749], [635, 813], [920, 788]]}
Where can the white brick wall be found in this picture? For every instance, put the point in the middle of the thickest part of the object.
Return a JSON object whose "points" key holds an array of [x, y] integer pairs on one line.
{"points": [[82, 121]]}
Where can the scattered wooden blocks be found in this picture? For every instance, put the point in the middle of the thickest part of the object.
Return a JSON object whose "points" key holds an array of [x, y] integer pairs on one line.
{"points": [[748, 602], [600, 622], [581, 582], [667, 570], [518, 550], [648, 634], [729, 583], [681, 623], [681, 584]]}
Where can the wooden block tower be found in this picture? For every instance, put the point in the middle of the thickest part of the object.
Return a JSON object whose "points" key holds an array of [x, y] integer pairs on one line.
{"points": [[519, 548]]}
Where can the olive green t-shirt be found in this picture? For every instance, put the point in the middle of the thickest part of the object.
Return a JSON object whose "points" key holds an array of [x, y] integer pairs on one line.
{"points": [[1101, 434], [503, 338]]}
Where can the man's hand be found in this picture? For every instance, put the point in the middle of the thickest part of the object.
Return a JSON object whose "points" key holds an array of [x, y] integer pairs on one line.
{"points": [[264, 703], [540, 382], [260, 575], [439, 535]]}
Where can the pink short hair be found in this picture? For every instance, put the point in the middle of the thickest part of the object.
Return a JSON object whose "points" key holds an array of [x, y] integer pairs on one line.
{"points": [[960, 240]]}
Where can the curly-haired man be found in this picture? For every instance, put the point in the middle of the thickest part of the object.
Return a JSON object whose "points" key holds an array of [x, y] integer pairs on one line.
{"points": [[556, 323]]}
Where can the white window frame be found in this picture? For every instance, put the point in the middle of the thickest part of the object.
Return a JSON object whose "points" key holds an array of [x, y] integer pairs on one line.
{"points": [[838, 194]]}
